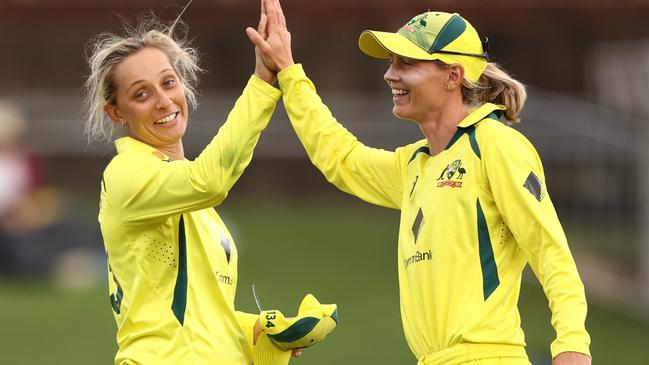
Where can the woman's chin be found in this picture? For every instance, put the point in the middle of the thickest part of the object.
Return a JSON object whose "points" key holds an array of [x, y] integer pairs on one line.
{"points": [[401, 114]]}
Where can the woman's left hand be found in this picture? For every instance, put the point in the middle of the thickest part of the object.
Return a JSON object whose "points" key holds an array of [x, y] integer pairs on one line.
{"points": [[261, 70], [297, 352], [257, 330], [571, 358], [275, 45]]}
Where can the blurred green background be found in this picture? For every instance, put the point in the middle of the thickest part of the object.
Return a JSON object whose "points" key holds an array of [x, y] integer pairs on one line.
{"points": [[343, 252]]}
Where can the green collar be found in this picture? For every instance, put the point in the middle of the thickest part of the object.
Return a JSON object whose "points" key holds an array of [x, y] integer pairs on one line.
{"points": [[467, 125]]}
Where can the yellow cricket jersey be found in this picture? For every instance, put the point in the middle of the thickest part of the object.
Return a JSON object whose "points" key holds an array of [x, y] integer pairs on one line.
{"points": [[472, 216], [172, 262]]}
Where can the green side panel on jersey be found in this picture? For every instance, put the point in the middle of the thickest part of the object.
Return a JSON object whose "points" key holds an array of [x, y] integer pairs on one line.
{"points": [[490, 279], [116, 299], [180, 292]]}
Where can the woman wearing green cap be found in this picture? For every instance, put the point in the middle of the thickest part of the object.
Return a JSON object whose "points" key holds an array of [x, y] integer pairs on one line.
{"points": [[474, 206]]}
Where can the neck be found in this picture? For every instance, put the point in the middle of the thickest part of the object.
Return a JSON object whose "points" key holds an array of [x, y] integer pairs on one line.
{"points": [[440, 126], [174, 152]]}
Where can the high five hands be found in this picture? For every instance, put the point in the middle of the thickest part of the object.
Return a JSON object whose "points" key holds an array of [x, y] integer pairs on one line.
{"points": [[272, 41]]}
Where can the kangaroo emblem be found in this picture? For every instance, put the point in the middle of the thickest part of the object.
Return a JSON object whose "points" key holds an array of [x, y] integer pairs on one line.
{"points": [[452, 170]]}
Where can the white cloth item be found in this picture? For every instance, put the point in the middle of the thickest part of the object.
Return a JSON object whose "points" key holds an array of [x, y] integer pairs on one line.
{"points": [[14, 179]]}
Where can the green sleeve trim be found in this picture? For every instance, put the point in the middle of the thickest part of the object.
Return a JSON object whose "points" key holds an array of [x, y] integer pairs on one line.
{"points": [[490, 280], [180, 292]]}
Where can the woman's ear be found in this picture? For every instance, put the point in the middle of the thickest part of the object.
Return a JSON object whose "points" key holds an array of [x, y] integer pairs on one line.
{"points": [[455, 75], [115, 115]]}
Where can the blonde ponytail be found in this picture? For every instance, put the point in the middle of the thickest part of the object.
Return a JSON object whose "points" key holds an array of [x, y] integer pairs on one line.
{"points": [[496, 86]]}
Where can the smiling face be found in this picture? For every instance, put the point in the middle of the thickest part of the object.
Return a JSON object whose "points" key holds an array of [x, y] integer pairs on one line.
{"points": [[419, 88], [150, 100]]}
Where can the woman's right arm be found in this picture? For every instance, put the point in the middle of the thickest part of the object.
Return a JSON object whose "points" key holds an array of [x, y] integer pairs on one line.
{"points": [[371, 174], [143, 188]]}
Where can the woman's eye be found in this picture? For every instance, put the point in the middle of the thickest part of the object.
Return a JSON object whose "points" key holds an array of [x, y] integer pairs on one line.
{"points": [[141, 95], [170, 82]]}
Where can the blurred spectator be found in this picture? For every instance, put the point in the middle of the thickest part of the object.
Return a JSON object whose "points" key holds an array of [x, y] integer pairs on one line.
{"points": [[21, 173], [36, 239]]}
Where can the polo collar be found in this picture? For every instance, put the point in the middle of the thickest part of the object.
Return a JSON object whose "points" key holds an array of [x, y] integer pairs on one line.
{"points": [[467, 125], [481, 113], [129, 144]]}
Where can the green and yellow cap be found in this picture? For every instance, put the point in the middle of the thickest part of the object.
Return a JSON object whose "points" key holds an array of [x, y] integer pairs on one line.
{"points": [[431, 36]]}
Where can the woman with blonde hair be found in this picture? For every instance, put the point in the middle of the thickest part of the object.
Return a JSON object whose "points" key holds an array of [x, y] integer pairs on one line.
{"points": [[474, 205], [172, 263]]}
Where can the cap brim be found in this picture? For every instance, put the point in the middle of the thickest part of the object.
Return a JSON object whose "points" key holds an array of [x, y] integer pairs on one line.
{"points": [[381, 44], [266, 353]]}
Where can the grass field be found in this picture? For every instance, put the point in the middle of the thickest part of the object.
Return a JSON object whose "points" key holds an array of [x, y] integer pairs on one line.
{"points": [[343, 252]]}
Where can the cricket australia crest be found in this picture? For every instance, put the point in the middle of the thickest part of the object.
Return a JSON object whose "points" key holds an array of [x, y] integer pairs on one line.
{"points": [[416, 23], [452, 175]]}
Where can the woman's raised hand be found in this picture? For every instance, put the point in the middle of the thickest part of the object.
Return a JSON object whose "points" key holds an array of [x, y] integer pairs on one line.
{"points": [[272, 39], [261, 70]]}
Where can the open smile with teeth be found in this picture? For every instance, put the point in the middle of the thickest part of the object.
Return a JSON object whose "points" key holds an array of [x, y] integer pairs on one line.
{"points": [[167, 119], [399, 92]]}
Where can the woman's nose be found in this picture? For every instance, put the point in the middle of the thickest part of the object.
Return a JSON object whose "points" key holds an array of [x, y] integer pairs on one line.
{"points": [[390, 74], [164, 100]]}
